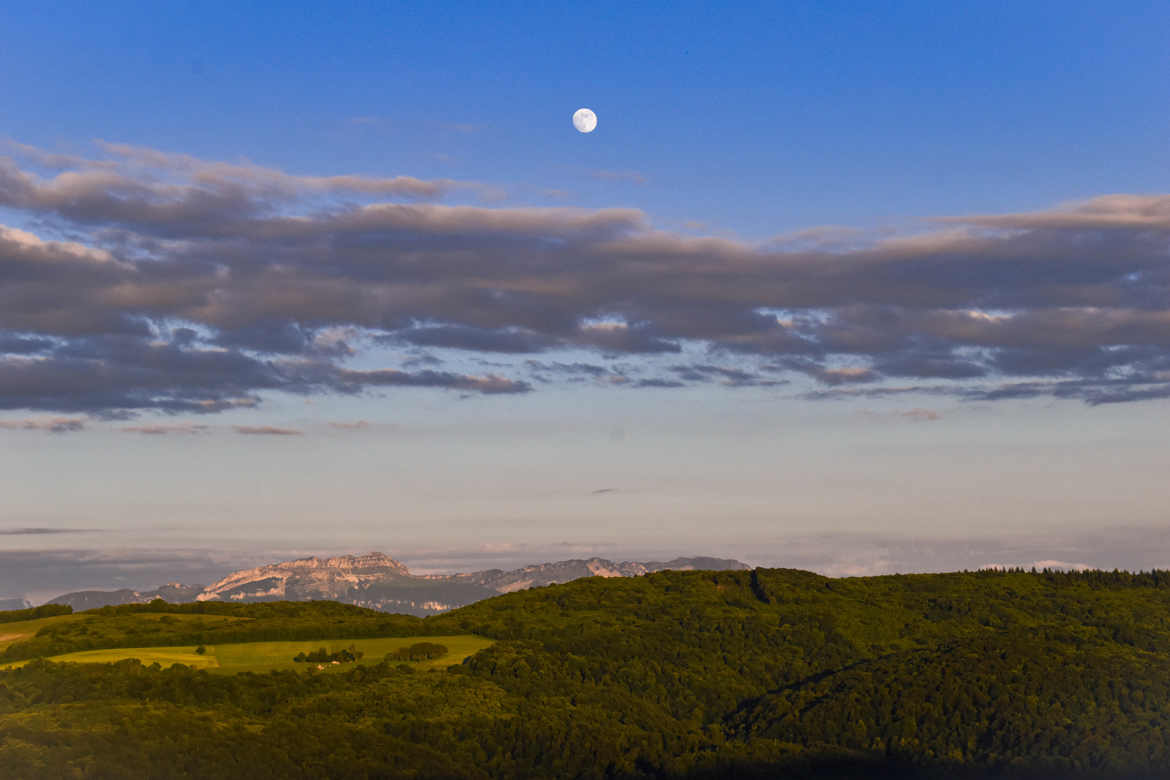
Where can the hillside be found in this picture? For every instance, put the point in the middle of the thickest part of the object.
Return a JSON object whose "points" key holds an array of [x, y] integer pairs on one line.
{"points": [[762, 673]]}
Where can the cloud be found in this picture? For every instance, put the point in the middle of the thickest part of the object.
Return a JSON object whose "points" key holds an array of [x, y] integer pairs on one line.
{"points": [[165, 429], [590, 369], [13, 344], [920, 415], [195, 285], [50, 424], [476, 339], [1107, 212], [267, 337], [659, 383], [265, 430], [828, 375], [214, 175], [623, 337], [356, 425], [924, 363], [489, 385], [421, 359], [730, 377], [576, 372], [818, 238], [115, 375]]}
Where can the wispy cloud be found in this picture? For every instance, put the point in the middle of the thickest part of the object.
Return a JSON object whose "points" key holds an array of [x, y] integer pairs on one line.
{"points": [[266, 430], [920, 415], [165, 429], [356, 425], [730, 377], [49, 424]]}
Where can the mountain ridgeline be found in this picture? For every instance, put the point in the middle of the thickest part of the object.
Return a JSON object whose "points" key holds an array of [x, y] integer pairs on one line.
{"points": [[379, 582], [760, 673]]}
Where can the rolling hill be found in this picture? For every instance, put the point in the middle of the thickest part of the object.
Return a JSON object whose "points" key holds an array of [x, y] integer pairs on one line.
{"points": [[760, 673]]}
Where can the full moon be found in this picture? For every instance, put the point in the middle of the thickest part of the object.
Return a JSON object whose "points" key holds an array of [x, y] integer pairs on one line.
{"points": [[584, 120]]}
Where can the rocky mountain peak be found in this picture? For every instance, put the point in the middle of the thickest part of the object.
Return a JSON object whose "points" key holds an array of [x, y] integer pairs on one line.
{"points": [[376, 580], [370, 560]]}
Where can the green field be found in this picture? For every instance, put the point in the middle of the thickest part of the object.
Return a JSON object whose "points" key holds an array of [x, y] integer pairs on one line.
{"points": [[266, 656], [14, 632], [25, 629]]}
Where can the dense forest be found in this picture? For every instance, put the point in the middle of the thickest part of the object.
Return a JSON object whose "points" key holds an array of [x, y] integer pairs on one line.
{"points": [[764, 673]]}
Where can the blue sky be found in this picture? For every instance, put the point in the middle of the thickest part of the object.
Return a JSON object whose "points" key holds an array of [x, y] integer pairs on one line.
{"points": [[821, 267], [755, 118]]}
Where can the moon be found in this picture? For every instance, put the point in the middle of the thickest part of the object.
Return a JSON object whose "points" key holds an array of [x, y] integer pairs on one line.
{"points": [[584, 120]]}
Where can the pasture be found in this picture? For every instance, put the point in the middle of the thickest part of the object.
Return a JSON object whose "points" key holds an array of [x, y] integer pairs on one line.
{"points": [[15, 632], [268, 656]]}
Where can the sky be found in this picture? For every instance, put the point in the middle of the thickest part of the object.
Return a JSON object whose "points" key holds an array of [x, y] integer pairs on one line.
{"points": [[858, 288]]}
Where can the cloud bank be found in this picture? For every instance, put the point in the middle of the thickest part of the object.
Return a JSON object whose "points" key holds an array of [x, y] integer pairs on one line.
{"points": [[145, 280]]}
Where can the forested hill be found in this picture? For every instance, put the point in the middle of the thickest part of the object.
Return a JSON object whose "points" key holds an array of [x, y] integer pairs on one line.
{"points": [[759, 673]]}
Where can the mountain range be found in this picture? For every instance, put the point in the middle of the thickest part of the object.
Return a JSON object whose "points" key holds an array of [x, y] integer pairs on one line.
{"points": [[377, 581]]}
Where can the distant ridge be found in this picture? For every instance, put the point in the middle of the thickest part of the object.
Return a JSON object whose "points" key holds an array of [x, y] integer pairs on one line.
{"points": [[377, 581]]}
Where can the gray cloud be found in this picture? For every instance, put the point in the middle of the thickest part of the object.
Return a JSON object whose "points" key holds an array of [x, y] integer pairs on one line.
{"points": [[265, 430], [165, 429], [731, 377], [423, 359], [115, 375], [577, 372], [269, 338], [50, 424], [927, 363], [13, 344], [920, 415], [489, 385], [189, 285], [638, 338], [590, 369], [825, 375], [476, 339]]}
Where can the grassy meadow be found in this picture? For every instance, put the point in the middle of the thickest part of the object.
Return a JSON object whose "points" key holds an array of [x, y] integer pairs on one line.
{"points": [[267, 656], [15, 632]]}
